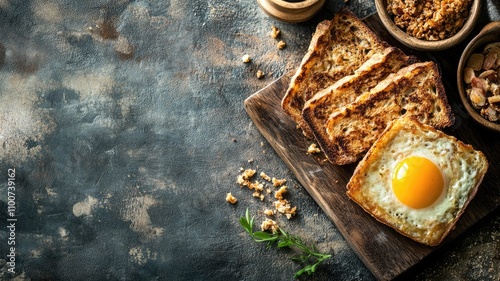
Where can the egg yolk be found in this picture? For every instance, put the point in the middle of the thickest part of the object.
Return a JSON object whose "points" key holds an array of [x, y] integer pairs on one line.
{"points": [[417, 182]]}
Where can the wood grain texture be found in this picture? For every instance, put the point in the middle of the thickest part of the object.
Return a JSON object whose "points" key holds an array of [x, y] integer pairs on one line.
{"points": [[386, 253]]}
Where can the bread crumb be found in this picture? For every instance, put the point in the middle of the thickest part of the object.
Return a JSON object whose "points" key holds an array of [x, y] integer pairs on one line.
{"points": [[313, 148], [281, 45], [264, 176], [231, 199], [256, 194], [259, 195], [269, 212], [261, 143], [269, 225], [246, 58], [260, 190], [243, 179], [275, 32], [277, 182], [284, 207], [256, 186], [279, 194], [250, 160], [248, 173], [260, 74]]}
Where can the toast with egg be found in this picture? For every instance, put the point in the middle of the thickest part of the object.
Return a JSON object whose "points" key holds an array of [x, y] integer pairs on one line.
{"points": [[337, 48], [417, 180], [318, 109], [415, 90]]}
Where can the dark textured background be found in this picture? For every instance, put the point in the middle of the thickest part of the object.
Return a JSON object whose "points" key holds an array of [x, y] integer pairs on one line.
{"points": [[125, 124]]}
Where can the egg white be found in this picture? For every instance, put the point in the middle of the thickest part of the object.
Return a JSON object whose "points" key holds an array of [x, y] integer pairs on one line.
{"points": [[457, 178]]}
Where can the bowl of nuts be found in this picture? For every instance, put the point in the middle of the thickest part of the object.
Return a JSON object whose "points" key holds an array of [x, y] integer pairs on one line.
{"points": [[478, 77], [429, 25]]}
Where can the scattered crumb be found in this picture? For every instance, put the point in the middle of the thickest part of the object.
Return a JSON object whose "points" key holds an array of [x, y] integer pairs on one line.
{"points": [[269, 225], [277, 182], [313, 148], [234, 140], [247, 174], [246, 58], [250, 160], [281, 45], [264, 176], [269, 212], [261, 143], [284, 207], [256, 194], [260, 74], [279, 194], [275, 32], [243, 179], [256, 186], [231, 199], [259, 191]]}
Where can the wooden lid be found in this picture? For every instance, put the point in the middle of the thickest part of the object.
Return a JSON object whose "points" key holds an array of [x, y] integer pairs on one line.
{"points": [[291, 11]]}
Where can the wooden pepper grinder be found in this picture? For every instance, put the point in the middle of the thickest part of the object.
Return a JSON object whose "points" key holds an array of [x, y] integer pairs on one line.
{"points": [[291, 10]]}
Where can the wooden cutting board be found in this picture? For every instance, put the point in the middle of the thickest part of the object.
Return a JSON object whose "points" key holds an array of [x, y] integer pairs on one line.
{"points": [[386, 253]]}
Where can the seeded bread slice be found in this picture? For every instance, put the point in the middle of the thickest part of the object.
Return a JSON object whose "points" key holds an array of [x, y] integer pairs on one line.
{"points": [[415, 90], [318, 109], [337, 49]]}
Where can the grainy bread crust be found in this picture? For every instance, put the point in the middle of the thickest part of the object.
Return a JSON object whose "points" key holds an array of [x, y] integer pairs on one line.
{"points": [[337, 49], [415, 90], [346, 90], [357, 188]]}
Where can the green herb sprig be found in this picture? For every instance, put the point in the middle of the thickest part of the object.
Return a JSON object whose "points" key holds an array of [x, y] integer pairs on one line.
{"points": [[281, 239]]}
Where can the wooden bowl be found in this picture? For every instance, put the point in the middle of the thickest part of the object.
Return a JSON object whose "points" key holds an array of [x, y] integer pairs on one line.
{"points": [[290, 11], [489, 34], [426, 45]]}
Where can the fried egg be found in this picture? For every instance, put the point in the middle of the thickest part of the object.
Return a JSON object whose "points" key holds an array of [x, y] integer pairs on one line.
{"points": [[417, 180]]}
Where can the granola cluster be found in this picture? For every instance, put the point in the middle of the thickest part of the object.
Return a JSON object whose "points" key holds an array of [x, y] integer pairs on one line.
{"points": [[429, 19]]}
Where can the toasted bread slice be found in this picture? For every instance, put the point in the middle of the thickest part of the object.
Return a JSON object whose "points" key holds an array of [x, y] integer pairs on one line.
{"points": [[373, 188], [318, 109], [337, 49], [415, 90]]}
